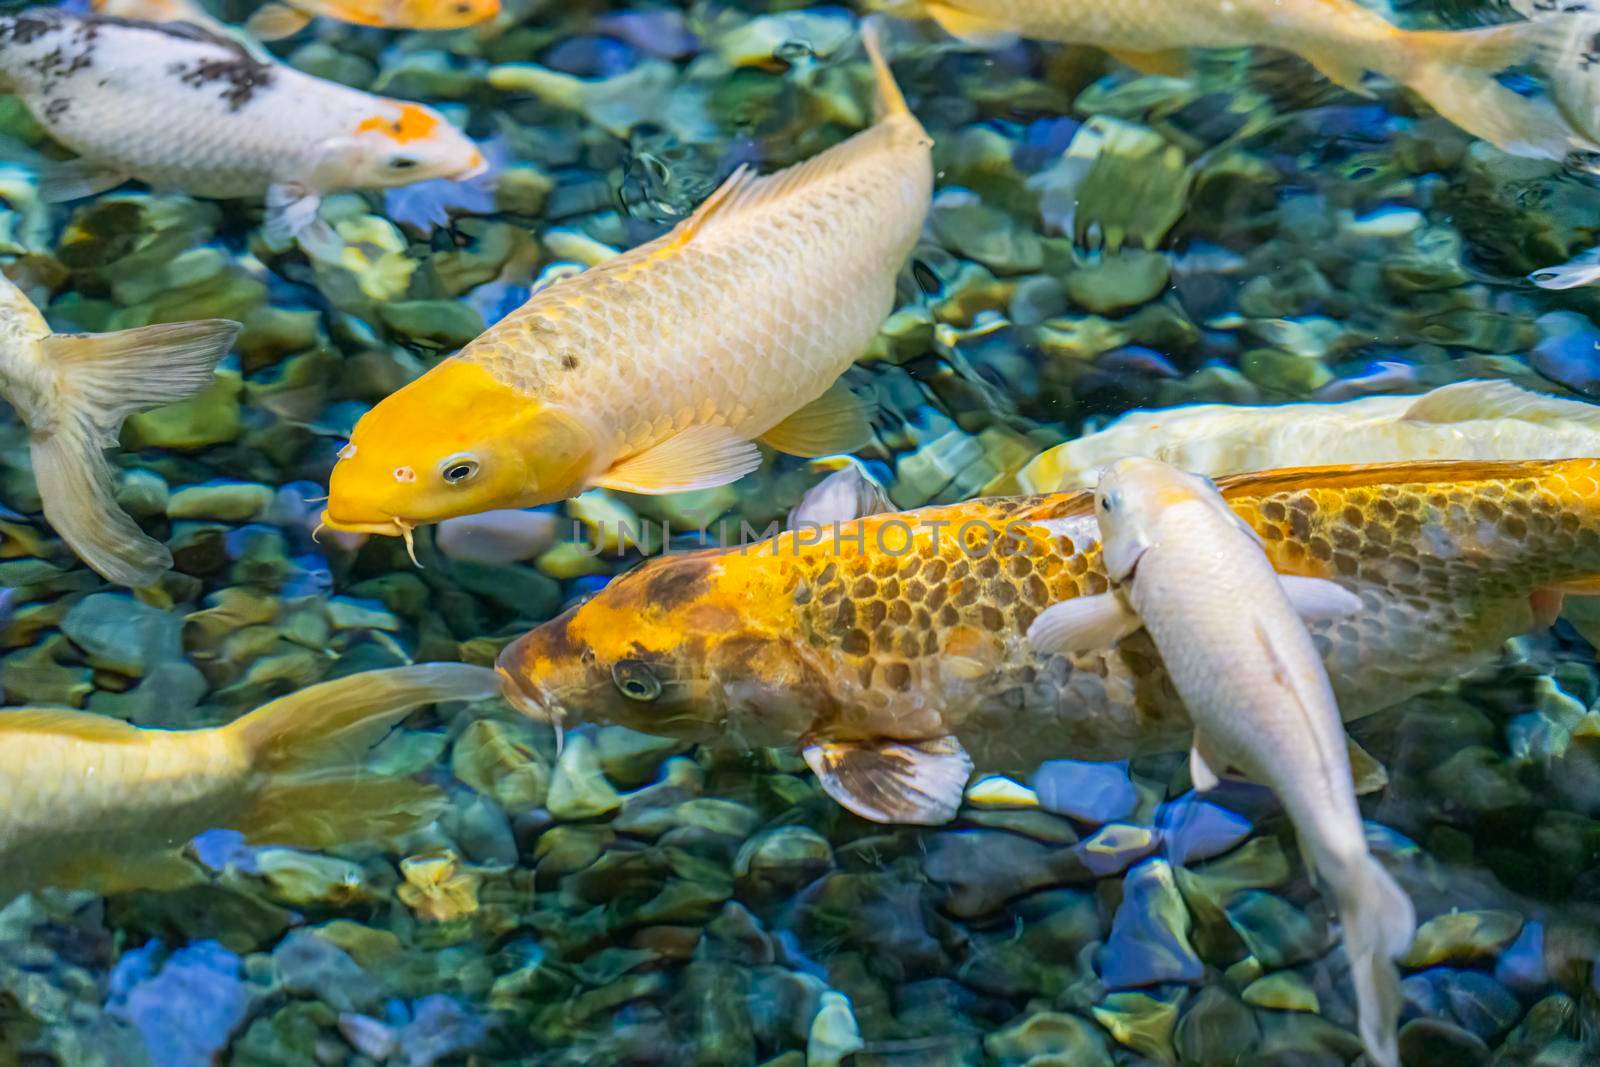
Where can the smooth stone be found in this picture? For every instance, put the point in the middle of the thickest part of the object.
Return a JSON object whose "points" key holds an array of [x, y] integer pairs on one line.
{"points": [[307, 964], [142, 493], [185, 1010], [1274, 930], [782, 860], [1434, 1043], [1143, 1022], [834, 1033], [443, 324], [1195, 829], [221, 502], [1052, 1037], [1115, 847], [1114, 283], [579, 789], [301, 878], [1521, 966], [1094, 793], [1462, 937], [1282, 991], [996, 791], [1149, 942], [499, 761], [353, 613], [119, 633], [1217, 1028], [498, 537], [569, 560], [210, 417], [631, 758], [1479, 1003]]}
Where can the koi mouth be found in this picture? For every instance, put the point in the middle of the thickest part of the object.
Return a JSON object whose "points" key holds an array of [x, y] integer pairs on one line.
{"points": [[530, 703], [393, 528]]}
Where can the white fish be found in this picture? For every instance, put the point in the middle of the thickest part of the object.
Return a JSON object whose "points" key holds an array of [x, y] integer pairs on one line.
{"points": [[1229, 628], [176, 106], [74, 390]]}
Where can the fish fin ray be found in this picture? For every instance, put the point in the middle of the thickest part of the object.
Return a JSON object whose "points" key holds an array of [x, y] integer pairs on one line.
{"points": [[74, 179], [335, 723], [913, 782], [972, 29], [697, 458], [325, 813], [103, 379], [1083, 624], [272, 22], [1378, 921], [1166, 62], [1470, 401], [83, 725], [1366, 770], [837, 421], [1318, 599], [291, 211]]}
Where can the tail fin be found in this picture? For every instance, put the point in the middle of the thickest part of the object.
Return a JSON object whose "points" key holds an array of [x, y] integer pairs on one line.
{"points": [[891, 102], [1378, 922], [1454, 72], [309, 748], [101, 379]]}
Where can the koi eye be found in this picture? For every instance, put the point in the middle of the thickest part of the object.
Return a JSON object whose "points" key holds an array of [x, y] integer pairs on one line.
{"points": [[636, 680], [463, 9], [458, 469], [401, 162]]}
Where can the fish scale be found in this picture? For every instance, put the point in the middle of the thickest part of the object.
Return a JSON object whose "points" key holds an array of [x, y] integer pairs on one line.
{"points": [[784, 641]]}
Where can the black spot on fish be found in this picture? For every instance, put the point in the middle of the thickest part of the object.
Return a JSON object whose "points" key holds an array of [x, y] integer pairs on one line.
{"points": [[240, 76], [569, 362], [677, 582], [25, 29]]}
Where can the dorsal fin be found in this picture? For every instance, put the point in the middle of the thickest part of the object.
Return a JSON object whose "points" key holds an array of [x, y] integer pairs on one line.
{"points": [[1465, 401], [83, 725], [1261, 483]]}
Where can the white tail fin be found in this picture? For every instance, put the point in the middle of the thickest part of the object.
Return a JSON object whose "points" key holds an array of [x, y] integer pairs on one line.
{"points": [[1378, 922], [101, 379], [308, 749]]}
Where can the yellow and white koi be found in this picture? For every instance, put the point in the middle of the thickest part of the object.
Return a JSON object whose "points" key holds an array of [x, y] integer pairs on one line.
{"points": [[274, 20]]}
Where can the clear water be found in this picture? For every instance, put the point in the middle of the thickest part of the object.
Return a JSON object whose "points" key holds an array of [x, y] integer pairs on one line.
{"points": [[1258, 235]]}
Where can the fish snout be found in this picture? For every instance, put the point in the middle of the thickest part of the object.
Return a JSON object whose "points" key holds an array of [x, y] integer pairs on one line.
{"points": [[521, 693]]}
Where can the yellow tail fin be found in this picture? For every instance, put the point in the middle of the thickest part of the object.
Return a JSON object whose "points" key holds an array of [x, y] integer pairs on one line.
{"points": [[101, 379], [1454, 72], [309, 750]]}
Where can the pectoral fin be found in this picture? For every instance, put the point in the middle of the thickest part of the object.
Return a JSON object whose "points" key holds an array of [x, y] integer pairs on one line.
{"points": [[1200, 770], [837, 421], [272, 22], [1340, 69], [75, 179], [1171, 63], [698, 458], [1318, 599], [916, 782], [291, 211], [1369, 775], [973, 29], [1083, 624]]}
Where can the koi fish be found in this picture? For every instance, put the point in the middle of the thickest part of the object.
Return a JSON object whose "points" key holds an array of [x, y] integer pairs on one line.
{"points": [[177, 106], [73, 390], [1188, 571], [272, 21], [893, 651], [1452, 70], [159, 11], [657, 371], [95, 803]]}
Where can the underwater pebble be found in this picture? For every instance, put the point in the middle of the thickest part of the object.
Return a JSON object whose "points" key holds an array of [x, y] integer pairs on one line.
{"points": [[579, 789], [1149, 942], [834, 1035], [1461, 937], [221, 501], [1282, 991], [119, 633], [1049, 1037], [497, 760], [1094, 793], [498, 536]]}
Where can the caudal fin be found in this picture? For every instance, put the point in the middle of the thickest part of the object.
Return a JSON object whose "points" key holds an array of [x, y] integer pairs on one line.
{"points": [[1378, 921], [101, 379], [309, 749], [1454, 71]]}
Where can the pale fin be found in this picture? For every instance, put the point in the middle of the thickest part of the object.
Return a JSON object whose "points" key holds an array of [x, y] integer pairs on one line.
{"points": [[915, 782], [1454, 72], [973, 29], [75, 179], [83, 725], [1578, 587], [1368, 774], [1378, 923], [291, 211], [335, 723], [102, 379], [891, 101], [1467, 401], [843, 496], [1200, 771], [1083, 624], [698, 458], [837, 421], [323, 814], [1341, 68], [1169, 62], [273, 22], [1318, 599]]}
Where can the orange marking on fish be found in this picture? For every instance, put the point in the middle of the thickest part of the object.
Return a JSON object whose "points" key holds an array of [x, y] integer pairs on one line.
{"points": [[414, 124]]}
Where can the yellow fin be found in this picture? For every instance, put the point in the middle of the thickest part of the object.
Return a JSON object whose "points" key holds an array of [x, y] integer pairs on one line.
{"points": [[916, 782], [325, 813], [335, 723], [274, 21], [697, 458], [837, 421], [1343, 70], [101, 380], [84, 725], [973, 29], [161, 869], [1170, 62]]}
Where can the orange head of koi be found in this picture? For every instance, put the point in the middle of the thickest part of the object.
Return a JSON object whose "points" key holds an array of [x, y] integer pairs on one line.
{"points": [[453, 442], [400, 144], [446, 14], [667, 649]]}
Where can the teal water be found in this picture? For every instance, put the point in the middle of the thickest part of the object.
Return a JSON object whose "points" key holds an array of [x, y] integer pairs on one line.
{"points": [[1251, 234]]}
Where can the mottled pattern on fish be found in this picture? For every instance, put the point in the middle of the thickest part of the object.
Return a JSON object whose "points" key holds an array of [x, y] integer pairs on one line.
{"points": [[768, 304], [785, 641], [174, 105]]}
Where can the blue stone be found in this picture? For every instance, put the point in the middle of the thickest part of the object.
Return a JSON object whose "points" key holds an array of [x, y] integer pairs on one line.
{"points": [[1521, 965], [1196, 829], [1089, 792], [1479, 1003], [1149, 942], [1569, 352], [185, 1011], [1115, 847]]}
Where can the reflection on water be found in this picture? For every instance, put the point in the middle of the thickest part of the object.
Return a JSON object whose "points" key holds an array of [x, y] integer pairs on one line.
{"points": [[221, 841]]}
